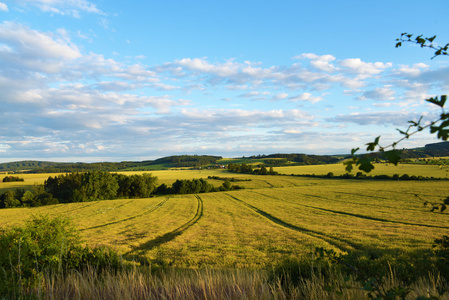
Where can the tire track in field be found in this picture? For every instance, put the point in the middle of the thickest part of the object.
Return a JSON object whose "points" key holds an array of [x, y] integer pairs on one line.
{"points": [[374, 218], [334, 241], [169, 236], [129, 218], [356, 215], [344, 201], [268, 183]]}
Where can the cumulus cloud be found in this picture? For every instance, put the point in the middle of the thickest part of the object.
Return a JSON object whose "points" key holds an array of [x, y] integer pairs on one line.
{"points": [[29, 49], [357, 66], [411, 71], [322, 62]]}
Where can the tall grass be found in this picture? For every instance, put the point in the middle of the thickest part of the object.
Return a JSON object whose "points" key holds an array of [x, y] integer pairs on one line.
{"points": [[191, 284]]}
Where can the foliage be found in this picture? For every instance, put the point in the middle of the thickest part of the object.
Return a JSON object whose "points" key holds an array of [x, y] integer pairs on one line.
{"points": [[248, 169], [373, 272], [194, 186], [280, 159], [12, 178], [56, 167], [188, 160], [45, 245], [97, 185]]}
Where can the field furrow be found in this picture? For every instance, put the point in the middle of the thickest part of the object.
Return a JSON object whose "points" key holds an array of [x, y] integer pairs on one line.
{"points": [[147, 211], [339, 243]]}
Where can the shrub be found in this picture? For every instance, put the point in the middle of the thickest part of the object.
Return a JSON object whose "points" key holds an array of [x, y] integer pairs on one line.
{"points": [[12, 178], [45, 245], [405, 177]]}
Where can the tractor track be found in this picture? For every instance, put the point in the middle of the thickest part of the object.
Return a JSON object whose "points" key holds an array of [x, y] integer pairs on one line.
{"points": [[130, 218], [169, 236], [359, 215], [334, 241]]}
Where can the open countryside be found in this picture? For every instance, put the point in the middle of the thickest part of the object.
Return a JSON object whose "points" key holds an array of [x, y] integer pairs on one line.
{"points": [[272, 219]]}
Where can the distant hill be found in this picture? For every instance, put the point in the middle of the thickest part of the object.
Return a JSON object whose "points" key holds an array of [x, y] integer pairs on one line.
{"points": [[177, 161], [187, 161], [429, 150]]}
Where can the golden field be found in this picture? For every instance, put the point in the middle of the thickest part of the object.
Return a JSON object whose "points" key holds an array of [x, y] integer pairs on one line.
{"points": [[274, 218]]}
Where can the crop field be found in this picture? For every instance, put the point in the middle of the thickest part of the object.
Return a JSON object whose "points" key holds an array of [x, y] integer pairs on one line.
{"points": [[273, 219], [435, 171]]}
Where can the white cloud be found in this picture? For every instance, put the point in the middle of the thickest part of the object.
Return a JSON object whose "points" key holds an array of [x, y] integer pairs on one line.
{"points": [[306, 97], [281, 96], [357, 66], [385, 118], [31, 43], [411, 71], [379, 93], [61, 99], [3, 7], [62, 7], [32, 50], [322, 62], [201, 65]]}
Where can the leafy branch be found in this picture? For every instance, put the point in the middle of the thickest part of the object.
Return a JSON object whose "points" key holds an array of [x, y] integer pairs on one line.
{"points": [[440, 126], [424, 42]]}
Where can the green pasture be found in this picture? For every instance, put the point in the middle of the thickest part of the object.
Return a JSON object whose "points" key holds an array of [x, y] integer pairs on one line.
{"points": [[379, 169], [273, 219]]}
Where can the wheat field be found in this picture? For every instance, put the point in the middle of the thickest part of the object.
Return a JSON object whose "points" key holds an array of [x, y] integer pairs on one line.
{"points": [[275, 218]]}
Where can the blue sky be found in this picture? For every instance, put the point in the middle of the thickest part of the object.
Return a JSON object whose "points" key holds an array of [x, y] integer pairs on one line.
{"points": [[135, 80]]}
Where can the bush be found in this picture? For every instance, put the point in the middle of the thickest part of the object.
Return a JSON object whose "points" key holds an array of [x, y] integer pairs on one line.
{"points": [[12, 178], [405, 177], [45, 245]]}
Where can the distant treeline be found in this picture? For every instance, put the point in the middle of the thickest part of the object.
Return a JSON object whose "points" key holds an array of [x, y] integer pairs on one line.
{"points": [[176, 161], [361, 175], [184, 161], [299, 159], [98, 185]]}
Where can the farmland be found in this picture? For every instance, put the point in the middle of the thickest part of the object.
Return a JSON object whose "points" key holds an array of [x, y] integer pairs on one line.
{"points": [[435, 171], [273, 219]]}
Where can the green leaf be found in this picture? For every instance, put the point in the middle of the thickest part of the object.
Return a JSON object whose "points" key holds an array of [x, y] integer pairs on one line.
{"points": [[432, 38], [435, 100], [443, 100], [349, 166], [372, 146], [354, 150], [399, 44], [404, 133], [365, 164], [393, 156]]}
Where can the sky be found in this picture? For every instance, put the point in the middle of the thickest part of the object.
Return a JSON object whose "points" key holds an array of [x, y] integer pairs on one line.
{"points": [[87, 81]]}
